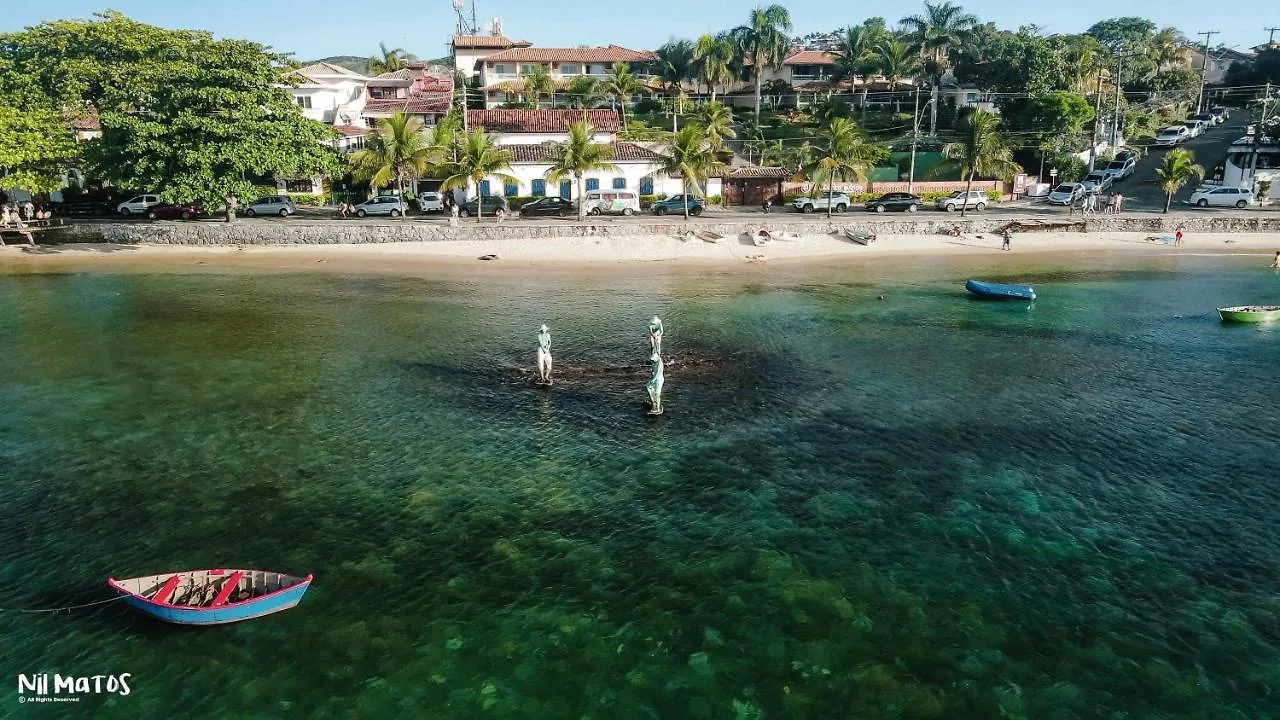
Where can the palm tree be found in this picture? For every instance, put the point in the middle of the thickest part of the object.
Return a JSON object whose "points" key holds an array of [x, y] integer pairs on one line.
{"points": [[713, 55], [1177, 169], [828, 108], [479, 157], [622, 85], [941, 26], [1168, 49], [843, 156], [584, 93], [674, 66], [764, 41], [717, 123], [400, 150], [857, 56], [691, 157], [579, 155], [538, 82], [388, 60], [895, 61], [981, 150]]}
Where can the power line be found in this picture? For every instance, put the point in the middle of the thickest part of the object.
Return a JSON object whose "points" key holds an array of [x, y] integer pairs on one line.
{"points": [[1204, 66]]}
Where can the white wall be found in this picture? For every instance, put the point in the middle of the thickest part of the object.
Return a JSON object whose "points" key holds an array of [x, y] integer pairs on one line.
{"points": [[330, 97], [539, 138], [631, 171]]}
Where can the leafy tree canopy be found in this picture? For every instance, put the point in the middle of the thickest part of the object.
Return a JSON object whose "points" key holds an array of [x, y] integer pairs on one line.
{"points": [[35, 148]]}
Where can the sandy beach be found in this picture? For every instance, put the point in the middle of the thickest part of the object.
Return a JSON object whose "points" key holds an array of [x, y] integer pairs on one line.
{"points": [[623, 252]]}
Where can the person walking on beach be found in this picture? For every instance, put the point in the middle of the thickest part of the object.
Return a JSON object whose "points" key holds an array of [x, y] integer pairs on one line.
{"points": [[1119, 203], [1177, 236], [1006, 235]]}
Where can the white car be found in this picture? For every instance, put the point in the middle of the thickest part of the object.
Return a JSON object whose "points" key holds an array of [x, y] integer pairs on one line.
{"points": [[1172, 135], [430, 202], [974, 199], [1195, 128], [382, 205], [1096, 181], [1119, 169], [839, 202], [138, 205], [1066, 194], [1221, 197]]}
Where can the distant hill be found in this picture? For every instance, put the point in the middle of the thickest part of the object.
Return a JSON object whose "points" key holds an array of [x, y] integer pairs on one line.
{"points": [[353, 63]]}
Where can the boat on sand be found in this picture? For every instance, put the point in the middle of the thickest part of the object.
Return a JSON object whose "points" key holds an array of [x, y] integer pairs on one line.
{"points": [[709, 236], [1000, 291], [1250, 313], [861, 237], [760, 237], [211, 597]]}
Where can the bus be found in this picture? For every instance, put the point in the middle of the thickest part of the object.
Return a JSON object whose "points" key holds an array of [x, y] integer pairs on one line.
{"points": [[1239, 170]]}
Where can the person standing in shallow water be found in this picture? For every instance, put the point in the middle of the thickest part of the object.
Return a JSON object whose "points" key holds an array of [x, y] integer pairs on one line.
{"points": [[1276, 264]]}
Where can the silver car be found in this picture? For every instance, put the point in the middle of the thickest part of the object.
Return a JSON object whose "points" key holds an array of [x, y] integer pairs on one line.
{"points": [[382, 205], [971, 200], [271, 205]]}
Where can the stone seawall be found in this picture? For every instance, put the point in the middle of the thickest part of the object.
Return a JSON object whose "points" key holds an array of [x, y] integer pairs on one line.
{"points": [[302, 232]]}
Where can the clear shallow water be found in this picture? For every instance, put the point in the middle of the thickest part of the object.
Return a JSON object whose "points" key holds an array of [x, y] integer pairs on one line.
{"points": [[923, 507]]}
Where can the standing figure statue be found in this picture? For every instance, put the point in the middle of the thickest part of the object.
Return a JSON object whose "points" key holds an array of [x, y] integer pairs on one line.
{"points": [[655, 335], [544, 356], [654, 386]]}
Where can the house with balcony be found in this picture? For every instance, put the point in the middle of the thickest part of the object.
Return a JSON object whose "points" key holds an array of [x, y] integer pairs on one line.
{"points": [[501, 74], [329, 93], [418, 90], [470, 51]]}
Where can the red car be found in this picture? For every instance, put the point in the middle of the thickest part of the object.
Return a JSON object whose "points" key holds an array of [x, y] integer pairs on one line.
{"points": [[167, 211]]}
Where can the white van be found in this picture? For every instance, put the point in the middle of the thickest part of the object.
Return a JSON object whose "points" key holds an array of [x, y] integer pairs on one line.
{"points": [[625, 202]]}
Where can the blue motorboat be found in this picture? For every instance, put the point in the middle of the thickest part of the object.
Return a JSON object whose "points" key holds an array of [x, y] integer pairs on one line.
{"points": [[1000, 291]]}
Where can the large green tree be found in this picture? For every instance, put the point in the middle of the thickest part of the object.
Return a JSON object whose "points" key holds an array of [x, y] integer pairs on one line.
{"points": [[35, 149], [764, 42], [194, 118], [1177, 169]]}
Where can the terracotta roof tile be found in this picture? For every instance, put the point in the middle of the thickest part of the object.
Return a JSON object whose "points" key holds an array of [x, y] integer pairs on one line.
{"points": [[542, 153], [811, 57], [540, 121], [500, 42], [755, 171], [610, 54], [518, 84], [324, 68], [434, 103], [352, 130]]}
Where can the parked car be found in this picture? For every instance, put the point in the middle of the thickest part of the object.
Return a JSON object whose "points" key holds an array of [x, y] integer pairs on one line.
{"points": [[138, 204], [839, 202], [430, 202], [1195, 128], [167, 211], [1096, 181], [1209, 119], [1172, 135], [489, 206], [1066, 194], [1221, 112], [625, 202], [1119, 169], [557, 206], [1209, 196], [1127, 154], [971, 200], [391, 205], [675, 204], [898, 201], [271, 205]]}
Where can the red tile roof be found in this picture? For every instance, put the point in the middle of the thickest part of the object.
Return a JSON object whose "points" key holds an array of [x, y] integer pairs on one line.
{"points": [[610, 54], [518, 84], [755, 171], [542, 153], [811, 57], [540, 121], [352, 130], [85, 123], [487, 41], [435, 103]]}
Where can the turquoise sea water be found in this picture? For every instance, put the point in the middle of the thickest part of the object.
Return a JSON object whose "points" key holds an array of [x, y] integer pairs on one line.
{"points": [[922, 507]]}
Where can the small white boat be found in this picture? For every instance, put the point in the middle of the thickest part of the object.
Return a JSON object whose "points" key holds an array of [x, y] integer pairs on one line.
{"points": [[861, 237], [761, 237], [709, 236]]}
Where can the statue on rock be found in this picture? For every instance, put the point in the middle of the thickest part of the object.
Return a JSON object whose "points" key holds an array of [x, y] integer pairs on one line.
{"points": [[654, 386], [655, 335], [544, 356]]}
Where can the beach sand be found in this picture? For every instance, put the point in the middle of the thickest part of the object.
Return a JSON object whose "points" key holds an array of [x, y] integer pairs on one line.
{"points": [[623, 252]]}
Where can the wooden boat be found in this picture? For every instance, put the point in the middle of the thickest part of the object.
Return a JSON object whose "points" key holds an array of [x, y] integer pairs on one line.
{"points": [[709, 236], [211, 597], [1000, 291], [1250, 313], [861, 237]]}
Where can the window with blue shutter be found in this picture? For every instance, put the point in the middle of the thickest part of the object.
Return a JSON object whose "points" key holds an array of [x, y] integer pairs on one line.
{"points": [[566, 189], [484, 188], [539, 188], [593, 184], [619, 183], [646, 186], [510, 190]]}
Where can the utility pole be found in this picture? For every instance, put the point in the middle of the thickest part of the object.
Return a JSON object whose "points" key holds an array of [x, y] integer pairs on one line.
{"points": [[1097, 119], [915, 138], [1257, 138], [1271, 40], [1204, 66], [1115, 122]]}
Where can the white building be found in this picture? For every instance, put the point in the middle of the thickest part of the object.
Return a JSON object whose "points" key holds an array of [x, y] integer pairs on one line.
{"points": [[469, 51], [329, 93], [531, 127], [418, 90], [501, 74]]}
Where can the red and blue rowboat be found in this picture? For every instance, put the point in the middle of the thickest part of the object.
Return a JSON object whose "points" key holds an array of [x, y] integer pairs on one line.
{"points": [[211, 597]]}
